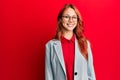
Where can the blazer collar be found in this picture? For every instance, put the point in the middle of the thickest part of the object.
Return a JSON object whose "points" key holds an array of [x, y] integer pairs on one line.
{"points": [[58, 49]]}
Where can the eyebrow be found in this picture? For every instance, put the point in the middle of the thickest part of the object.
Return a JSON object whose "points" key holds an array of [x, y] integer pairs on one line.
{"points": [[69, 15]]}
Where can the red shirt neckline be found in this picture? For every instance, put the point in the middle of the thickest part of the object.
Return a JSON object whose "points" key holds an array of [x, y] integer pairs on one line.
{"points": [[63, 39]]}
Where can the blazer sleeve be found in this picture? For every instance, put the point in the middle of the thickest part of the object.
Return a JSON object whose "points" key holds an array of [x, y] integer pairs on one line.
{"points": [[48, 67], [91, 72]]}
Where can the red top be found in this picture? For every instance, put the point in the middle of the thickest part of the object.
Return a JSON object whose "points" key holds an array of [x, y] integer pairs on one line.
{"points": [[68, 48]]}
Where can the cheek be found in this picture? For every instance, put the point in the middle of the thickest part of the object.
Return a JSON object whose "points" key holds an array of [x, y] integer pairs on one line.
{"points": [[64, 23], [75, 23]]}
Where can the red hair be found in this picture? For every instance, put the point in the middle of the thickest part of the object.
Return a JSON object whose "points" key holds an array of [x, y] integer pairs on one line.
{"points": [[78, 31]]}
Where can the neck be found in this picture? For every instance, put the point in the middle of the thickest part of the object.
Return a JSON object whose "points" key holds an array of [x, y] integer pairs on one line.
{"points": [[68, 34]]}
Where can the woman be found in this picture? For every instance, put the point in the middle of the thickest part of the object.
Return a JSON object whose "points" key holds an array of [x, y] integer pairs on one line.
{"points": [[68, 55]]}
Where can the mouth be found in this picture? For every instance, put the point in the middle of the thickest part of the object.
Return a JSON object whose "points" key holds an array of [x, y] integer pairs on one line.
{"points": [[70, 25]]}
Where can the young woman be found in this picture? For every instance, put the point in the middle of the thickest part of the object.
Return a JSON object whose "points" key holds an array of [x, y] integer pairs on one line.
{"points": [[68, 55]]}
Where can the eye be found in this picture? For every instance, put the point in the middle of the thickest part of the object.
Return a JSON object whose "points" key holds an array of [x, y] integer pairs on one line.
{"points": [[66, 17], [74, 17]]}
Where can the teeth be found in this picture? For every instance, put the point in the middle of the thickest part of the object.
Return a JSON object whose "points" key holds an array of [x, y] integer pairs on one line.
{"points": [[70, 25]]}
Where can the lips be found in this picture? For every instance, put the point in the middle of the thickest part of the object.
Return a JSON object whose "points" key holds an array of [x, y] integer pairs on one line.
{"points": [[70, 25]]}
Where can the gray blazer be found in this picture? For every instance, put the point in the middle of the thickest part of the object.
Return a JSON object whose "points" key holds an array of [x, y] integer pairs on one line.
{"points": [[55, 66]]}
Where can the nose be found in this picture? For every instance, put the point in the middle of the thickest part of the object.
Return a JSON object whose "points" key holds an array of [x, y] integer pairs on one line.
{"points": [[70, 19]]}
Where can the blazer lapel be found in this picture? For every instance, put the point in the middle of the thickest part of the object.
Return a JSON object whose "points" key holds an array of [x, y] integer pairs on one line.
{"points": [[58, 49], [77, 51]]}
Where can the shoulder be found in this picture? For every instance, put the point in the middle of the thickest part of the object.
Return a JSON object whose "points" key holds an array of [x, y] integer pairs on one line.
{"points": [[52, 42], [88, 42], [88, 45]]}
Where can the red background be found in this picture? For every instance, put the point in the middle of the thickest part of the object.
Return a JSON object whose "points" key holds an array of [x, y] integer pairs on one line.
{"points": [[26, 25]]}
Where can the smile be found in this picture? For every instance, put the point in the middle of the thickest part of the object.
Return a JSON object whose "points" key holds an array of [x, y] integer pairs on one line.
{"points": [[70, 25]]}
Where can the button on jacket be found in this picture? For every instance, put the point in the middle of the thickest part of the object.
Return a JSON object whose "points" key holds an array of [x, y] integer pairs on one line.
{"points": [[55, 65]]}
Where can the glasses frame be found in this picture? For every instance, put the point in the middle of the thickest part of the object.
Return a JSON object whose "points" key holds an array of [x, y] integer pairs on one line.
{"points": [[67, 18]]}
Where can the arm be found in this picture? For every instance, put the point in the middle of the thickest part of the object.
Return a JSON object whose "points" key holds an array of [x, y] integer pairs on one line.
{"points": [[48, 68], [91, 73]]}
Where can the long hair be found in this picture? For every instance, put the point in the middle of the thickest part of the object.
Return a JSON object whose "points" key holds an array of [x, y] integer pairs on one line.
{"points": [[78, 31]]}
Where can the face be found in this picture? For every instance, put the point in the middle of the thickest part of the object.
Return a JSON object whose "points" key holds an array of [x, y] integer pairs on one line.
{"points": [[69, 19]]}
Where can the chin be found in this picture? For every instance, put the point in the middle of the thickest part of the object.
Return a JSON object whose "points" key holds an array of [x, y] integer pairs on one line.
{"points": [[70, 29]]}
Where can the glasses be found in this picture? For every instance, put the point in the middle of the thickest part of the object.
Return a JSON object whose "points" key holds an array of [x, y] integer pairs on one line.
{"points": [[74, 18]]}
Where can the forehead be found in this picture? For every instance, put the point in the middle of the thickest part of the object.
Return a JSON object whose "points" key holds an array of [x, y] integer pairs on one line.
{"points": [[69, 11]]}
